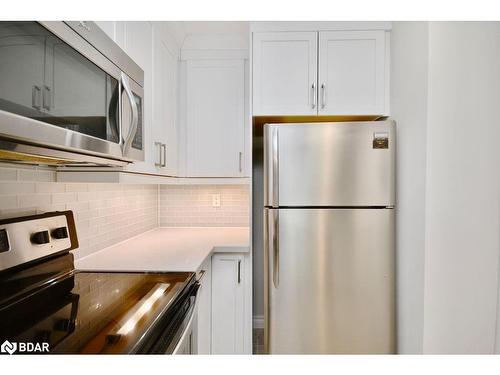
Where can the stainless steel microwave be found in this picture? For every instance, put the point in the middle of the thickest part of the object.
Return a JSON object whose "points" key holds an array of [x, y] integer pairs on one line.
{"points": [[69, 95]]}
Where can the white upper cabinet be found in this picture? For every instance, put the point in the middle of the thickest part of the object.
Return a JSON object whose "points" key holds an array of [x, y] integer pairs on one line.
{"points": [[215, 118], [285, 73], [351, 73], [150, 47], [165, 138], [108, 27], [115, 30], [139, 46], [346, 74]]}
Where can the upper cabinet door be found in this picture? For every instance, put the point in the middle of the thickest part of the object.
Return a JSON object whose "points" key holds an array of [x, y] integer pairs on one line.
{"points": [[139, 46], [215, 118], [115, 30], [352, 73], [285, 73], [165, 126]]}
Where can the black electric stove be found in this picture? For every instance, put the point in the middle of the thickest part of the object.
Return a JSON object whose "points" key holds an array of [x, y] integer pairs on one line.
{"points": [[46, 306]]}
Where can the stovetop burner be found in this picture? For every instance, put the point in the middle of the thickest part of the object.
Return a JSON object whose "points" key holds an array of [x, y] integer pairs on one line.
{"points": [[46, 303]]}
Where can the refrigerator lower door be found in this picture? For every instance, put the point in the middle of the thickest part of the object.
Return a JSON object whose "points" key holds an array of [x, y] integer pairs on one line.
{"points": [[330, 281]]}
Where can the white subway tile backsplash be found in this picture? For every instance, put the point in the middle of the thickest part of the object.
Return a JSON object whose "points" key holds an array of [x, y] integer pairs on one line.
{"points": [[123, 212], [8, 174], [8, 201], [49, 187], [26, 175], [16, 188], [34, 200], [77, 187], [109, 213], [64, 198], [87, 196], [191, 205]]}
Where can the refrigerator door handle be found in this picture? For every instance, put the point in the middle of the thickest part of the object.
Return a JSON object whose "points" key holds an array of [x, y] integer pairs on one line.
{"points": [[271, 168], [276, 249], [271, 266], [275, 167]]}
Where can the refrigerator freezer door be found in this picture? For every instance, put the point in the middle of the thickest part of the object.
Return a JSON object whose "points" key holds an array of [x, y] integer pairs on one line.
{"points": [[336, 289], [330, 164]]}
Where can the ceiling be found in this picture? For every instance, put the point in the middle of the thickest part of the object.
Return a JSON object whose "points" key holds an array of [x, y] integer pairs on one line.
{"points": [[181, 29]]}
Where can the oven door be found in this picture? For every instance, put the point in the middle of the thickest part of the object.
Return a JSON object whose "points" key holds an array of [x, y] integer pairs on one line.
{"points": [[187, 343], [59, 92], [175, 332]]}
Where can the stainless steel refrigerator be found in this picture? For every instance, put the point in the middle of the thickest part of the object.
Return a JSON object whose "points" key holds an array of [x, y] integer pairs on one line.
{"points": [[329, 244]]}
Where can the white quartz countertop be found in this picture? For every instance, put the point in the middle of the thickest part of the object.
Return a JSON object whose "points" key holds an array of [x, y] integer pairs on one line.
{"points": [[167, 249]]}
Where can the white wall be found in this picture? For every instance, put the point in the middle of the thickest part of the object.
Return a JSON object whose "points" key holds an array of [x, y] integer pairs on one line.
{"points": [[409, 44], [462, 186], [446, 91]]}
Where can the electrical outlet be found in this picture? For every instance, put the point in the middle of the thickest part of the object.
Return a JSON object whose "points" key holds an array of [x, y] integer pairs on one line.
{"points": [[215, 200]]}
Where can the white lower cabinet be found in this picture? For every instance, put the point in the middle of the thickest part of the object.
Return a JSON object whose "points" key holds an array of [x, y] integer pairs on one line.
{"points": [[204, 321], [228, 313]]}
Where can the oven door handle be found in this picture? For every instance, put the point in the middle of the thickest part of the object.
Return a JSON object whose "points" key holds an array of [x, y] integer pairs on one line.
{"points": [[127, 143], [189, 327]]}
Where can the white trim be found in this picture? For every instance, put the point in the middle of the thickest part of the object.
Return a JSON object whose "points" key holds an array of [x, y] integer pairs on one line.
{"points": [[258, 321], [200, 54], [319, 26]]}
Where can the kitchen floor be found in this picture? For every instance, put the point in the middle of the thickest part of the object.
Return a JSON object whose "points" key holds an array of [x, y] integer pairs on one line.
{"points": [[258, 341]]}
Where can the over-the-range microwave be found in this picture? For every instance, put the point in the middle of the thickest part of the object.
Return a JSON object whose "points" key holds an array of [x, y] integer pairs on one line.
{"points": [[69, 95]]}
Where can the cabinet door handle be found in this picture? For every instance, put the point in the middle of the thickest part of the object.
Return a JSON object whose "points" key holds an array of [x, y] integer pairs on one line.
{"points": [[313, 92], [47, 98], [35, 97], [164, 148], [158, 144], [323, 97], [240, 161], [239, 271]]}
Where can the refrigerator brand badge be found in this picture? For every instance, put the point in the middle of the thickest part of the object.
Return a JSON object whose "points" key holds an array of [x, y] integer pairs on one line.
{"points": [[380, 140]]}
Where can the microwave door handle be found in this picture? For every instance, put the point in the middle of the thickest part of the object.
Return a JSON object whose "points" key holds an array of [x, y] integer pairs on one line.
{"points": [[135, 116], [118, 115]]}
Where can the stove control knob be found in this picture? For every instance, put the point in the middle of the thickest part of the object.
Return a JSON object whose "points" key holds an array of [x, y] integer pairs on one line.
{"points": [[60, 233], [40, 238]]}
